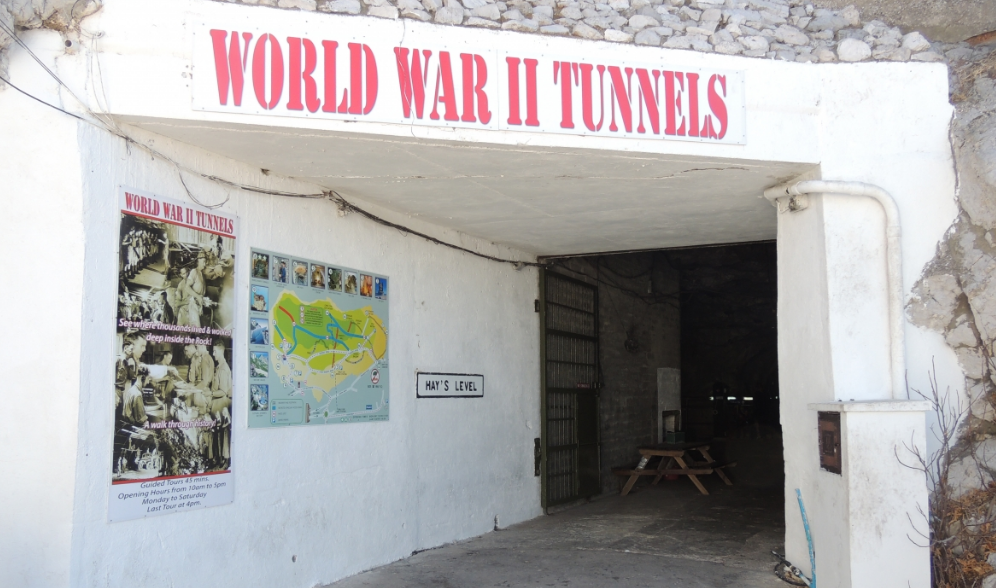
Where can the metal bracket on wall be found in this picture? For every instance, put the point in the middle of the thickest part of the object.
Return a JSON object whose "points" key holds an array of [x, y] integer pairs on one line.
{"points": [[792, 204]]}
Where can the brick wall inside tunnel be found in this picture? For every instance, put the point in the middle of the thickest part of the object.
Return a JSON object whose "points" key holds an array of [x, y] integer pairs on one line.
{"points": [[709, 312], [639, 327]]}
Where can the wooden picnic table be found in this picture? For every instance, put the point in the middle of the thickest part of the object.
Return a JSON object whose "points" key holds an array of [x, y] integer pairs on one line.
{"points": [[671, 454]]}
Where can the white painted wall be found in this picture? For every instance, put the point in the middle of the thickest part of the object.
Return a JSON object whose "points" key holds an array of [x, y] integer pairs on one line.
{"points": [[345, 498], [893, 134], [833, 306], [40, 300], [881, 530], [805, 370], [341, 498], [147, 55], [865, 512]]}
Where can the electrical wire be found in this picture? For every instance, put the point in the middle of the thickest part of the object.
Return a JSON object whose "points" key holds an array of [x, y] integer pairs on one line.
{"points": [[348, 207], [656, 298], [39, 100], [10, 32], [344, 205]]}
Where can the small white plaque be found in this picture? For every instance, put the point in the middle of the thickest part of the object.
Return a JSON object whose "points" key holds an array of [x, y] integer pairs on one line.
{"points": [[435, 385]]}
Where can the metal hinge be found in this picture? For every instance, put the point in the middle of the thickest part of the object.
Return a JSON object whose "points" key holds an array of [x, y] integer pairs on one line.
{"points": [[537, 456]]}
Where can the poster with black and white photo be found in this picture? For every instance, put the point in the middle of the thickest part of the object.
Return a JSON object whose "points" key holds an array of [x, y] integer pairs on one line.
{"points": [[173, 366]]}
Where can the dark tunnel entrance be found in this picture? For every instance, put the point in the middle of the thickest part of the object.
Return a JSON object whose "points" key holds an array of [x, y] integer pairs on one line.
{"points": [[699, 324]]}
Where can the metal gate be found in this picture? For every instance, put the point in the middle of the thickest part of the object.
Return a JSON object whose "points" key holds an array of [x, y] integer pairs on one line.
{"points": [[570, 382]]}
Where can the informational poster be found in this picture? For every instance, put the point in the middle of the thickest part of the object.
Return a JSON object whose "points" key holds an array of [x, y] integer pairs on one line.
{"points": [[317, 343], [173, 369]]}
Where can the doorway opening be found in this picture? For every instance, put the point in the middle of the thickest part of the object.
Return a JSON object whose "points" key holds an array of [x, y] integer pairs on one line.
{"points": [[626, 333]]}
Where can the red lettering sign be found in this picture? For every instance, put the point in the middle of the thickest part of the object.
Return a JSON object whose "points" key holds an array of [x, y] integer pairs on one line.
{"points": [[330, 87], [448, 96], [674, 86], [620, 93], [649, 96], [276, 71], [362, 73], [474, 67], [300, 62], [532, 108], [229, 66], [304, 75], [717, 104], [565, 69], [587, 100], [412, 80]]}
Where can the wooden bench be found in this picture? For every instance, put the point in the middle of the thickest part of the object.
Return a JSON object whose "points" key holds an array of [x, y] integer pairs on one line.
{"points": [[671, 454]]}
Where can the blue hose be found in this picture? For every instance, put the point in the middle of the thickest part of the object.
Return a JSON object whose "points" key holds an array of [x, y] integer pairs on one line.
{"points": [[809, 537]]}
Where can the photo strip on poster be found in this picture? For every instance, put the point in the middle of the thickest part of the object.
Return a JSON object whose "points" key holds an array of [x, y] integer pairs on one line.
{"points": [[318, 349], [173, 369]]}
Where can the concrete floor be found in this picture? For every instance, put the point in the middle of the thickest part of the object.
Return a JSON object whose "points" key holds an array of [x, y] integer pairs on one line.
{"points": [[660, 537]]}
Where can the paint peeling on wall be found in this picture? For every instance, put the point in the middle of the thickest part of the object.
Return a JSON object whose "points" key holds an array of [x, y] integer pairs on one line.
{"points": [[58, 15]]}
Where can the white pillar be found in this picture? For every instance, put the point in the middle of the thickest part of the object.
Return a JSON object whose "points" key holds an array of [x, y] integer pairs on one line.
{"points": [[805, 368], [41, 297], [883, 501], [833, 350]]}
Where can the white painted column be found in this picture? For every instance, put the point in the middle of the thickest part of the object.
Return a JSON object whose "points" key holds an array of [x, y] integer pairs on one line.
{"points": [[41, 300], [883, 500], [805, 376], [834, 351]]}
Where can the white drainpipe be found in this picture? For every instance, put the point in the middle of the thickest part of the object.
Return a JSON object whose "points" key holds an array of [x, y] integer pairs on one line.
{"points": [[894, 256]]}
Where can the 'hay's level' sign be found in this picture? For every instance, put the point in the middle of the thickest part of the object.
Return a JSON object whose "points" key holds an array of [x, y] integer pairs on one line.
{"points": [[436, 385]]}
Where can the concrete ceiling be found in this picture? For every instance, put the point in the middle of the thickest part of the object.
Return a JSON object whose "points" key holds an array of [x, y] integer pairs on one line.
{"points": [[545, 201]]}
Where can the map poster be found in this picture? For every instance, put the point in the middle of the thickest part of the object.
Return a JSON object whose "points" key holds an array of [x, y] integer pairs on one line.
{"points": [[172, 433], [317, 343]]}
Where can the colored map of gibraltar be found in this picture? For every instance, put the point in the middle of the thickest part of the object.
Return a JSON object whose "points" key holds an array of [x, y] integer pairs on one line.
{"points": [[318, 347]]}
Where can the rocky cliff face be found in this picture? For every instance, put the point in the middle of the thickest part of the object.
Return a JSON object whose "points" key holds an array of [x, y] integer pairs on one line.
{"points": [[941, 20], [790, 30], [956, 294]]}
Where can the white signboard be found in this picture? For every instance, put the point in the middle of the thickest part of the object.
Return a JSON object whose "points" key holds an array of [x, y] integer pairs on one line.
{"points": [[433, 385], [340, 72], [168, 495], [172, 435]]}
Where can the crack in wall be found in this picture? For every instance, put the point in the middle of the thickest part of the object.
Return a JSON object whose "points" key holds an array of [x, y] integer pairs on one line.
{"points": [[532, 177]]}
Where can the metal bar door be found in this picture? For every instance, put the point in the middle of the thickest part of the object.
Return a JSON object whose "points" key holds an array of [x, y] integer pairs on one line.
{"points": [[570, 379]]}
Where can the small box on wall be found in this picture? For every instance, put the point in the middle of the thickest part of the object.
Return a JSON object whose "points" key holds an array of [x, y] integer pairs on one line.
{"points": [[830, 447]]}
